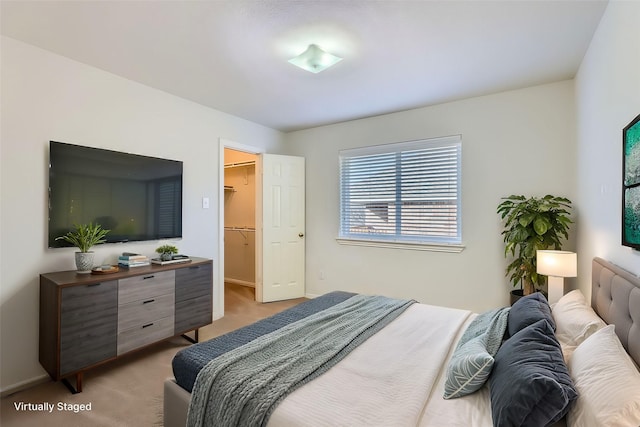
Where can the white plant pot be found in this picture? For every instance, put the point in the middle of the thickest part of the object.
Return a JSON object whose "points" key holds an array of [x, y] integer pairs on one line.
{"points": [[84, 262]]}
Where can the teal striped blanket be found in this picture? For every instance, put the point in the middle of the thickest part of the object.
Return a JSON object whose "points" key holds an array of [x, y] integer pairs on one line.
{"points": [[244, 386]]}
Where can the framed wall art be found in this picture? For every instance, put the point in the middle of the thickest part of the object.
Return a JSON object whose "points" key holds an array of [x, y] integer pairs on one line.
{"points": [[631, 184]]}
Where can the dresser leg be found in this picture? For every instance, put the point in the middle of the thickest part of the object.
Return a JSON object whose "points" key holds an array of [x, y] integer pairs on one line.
{"points": [[78, 387], [193, 340]]}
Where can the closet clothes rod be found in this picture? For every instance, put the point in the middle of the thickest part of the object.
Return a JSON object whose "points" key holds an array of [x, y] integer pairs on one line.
{"points": [[239, 164], [241, 230]]}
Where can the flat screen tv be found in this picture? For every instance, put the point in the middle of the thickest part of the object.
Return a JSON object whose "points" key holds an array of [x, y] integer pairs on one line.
{"points": [[136, 197], [631, 184]]}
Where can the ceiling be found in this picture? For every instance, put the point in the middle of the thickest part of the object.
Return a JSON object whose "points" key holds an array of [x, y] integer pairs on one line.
{"points": [[231, 55]]}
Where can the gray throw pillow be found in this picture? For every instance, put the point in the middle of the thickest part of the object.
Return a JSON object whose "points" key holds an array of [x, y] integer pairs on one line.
{"points": [[527, 311], [472, 360], [530, 383]]}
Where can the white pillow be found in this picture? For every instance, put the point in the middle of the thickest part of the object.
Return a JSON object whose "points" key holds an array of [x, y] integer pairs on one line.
{"points": [[607, 382], [575, 319]]}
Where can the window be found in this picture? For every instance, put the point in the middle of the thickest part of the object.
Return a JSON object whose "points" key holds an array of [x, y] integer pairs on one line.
{"points": [[407, 192]]}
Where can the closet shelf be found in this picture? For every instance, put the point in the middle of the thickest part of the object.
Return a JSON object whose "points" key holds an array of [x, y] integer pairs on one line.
{"points": [[239, 164], [240, 229]]}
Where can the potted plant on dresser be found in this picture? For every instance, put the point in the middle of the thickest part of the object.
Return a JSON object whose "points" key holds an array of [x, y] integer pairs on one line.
{"points": [[531, 224], [84, 237], [166, 251]]}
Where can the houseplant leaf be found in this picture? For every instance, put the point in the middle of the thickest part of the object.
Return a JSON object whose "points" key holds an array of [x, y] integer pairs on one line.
{"points": [[85, 236], [541, 225], [532, 224]]}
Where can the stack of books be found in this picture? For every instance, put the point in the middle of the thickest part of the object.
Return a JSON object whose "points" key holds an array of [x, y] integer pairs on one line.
{"points": [[128, 259]]}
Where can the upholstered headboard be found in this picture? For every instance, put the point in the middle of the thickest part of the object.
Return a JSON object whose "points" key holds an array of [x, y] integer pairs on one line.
{"points": [[615, 296]]}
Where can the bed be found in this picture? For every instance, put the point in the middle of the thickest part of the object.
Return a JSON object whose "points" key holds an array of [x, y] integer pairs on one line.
{"points": [[415, 354]]}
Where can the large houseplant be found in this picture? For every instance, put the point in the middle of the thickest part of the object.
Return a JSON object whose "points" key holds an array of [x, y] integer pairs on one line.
{"points": [[532, 224], [84, 237]]}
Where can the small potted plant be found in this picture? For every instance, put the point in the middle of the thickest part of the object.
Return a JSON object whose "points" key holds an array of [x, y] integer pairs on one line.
{"points": [[532, 224], [166, 251], [84, 237]]}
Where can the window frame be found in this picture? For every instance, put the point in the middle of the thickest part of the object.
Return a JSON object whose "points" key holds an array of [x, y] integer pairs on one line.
{"points": [[395, 240]]}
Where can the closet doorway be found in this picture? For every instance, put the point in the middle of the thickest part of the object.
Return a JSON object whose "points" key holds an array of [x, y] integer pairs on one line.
{"points": [[270, 231], [240, 207]]}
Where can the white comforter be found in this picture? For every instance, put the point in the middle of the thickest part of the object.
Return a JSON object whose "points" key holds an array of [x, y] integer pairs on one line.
{"points": [[395, 378]]}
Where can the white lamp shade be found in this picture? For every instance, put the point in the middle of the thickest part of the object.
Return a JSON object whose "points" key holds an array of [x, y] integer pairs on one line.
{"points": [[557, 263]]}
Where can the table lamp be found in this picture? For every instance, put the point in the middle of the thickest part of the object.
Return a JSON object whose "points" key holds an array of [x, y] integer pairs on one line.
{"points": [[556, 265]]}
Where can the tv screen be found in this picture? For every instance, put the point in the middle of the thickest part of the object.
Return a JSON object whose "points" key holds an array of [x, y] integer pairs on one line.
{"points": [[136, 197]]}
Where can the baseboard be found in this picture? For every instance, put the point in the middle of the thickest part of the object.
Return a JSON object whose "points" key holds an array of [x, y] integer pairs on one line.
{"points": [[23, 385], [240, 282], [311, 296]]}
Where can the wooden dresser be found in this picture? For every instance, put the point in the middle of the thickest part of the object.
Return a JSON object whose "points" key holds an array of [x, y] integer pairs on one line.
{"points": [[88, 319]]}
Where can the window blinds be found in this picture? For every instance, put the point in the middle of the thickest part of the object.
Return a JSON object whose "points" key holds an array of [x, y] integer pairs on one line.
{"points": [[407, 191]]}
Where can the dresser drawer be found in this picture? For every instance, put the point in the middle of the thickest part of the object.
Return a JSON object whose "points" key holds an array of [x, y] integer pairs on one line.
{"points": [[146, 286], [193, 313], [193, 281], [85, 299], [87, 325], [142, 335], [144, 311]]}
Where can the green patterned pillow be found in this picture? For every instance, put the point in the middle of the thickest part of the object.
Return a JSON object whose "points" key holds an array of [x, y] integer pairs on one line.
{"points": [[472, 360]]}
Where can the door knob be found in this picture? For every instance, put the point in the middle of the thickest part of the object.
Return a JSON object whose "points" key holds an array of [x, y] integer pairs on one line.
{"points": [[300, 234]]}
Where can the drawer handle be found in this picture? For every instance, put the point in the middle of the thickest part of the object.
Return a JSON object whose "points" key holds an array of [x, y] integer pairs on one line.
{"points": [[94, 284], [146, 326], [194, 267], [148, 301], [148, 277]]}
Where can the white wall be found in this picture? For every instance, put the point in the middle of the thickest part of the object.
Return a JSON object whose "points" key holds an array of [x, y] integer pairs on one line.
{"points": [[48, 97], [607, 99], [520, 142]]}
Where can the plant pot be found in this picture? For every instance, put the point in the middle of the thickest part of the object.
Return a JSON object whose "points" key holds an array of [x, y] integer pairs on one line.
{"points": [[519, 293], [84, 262], [165, 257], [515, 295]]}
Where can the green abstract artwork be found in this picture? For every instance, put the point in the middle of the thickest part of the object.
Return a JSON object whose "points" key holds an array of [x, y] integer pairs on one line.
{"points": [[632, 155], [631, 185]]}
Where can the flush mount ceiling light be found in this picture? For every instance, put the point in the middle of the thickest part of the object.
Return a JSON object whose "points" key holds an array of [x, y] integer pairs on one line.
{"points": [[315, 59]]}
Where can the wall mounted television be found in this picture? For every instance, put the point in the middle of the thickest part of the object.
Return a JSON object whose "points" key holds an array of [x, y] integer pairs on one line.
{"points": [[631, 184], [137, 197]]}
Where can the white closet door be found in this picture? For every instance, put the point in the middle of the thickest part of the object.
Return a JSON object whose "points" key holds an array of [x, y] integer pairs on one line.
{"points": [[283, 228]]}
